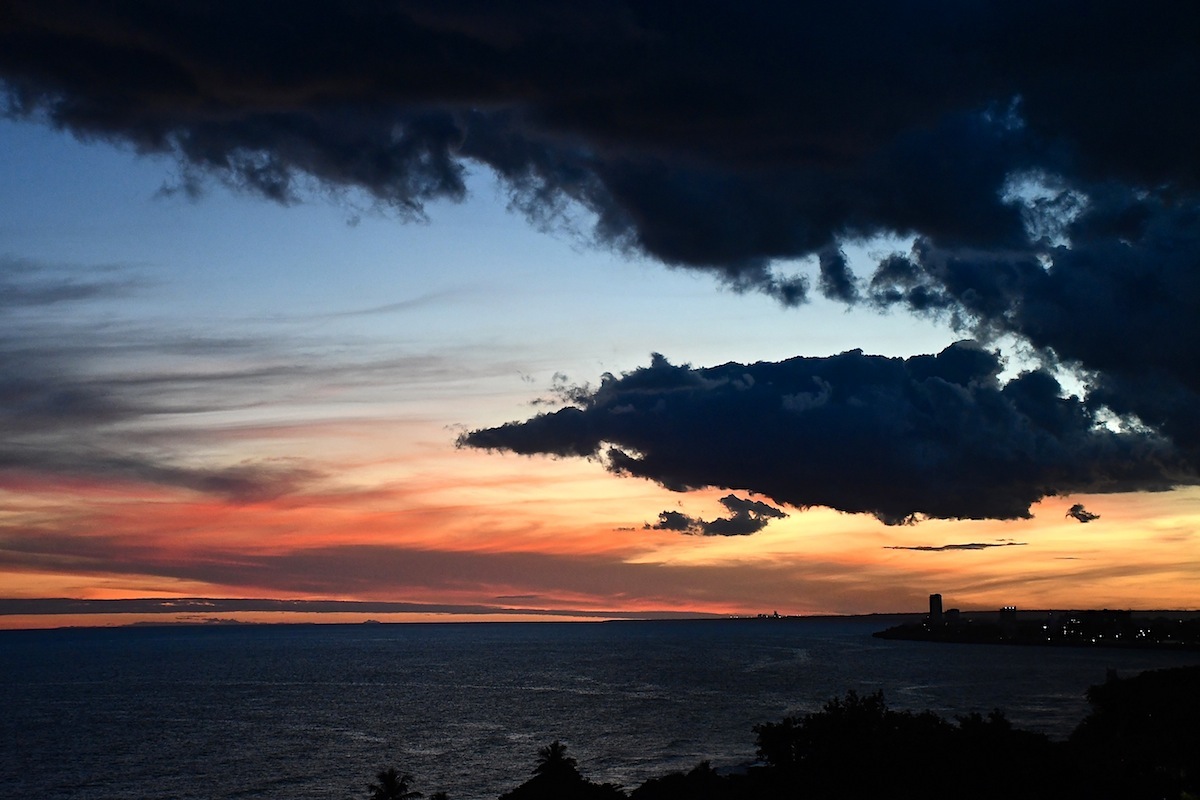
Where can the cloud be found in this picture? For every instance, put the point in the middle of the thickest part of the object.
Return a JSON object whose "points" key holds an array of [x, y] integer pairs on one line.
{"points": [[1080, 513], [72, 408], [745, 517], [944, 547], [65, 411], [1046, 172], [31, 284], [249, 481], [927, 436], [487, 580], [1120, 305], [701, 134]]}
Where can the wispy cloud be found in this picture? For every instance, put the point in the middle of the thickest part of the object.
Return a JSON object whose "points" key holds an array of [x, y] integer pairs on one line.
{"points": [[926, 548], [144, 402], [31, 284]]}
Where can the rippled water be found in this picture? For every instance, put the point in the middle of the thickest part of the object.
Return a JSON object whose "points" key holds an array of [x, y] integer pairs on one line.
{"points": [[315, 711]]}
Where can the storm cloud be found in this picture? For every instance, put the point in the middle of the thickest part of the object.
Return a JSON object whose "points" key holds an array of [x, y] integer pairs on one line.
{"points": [[703, 134], [927, 436], [1037, 159]]}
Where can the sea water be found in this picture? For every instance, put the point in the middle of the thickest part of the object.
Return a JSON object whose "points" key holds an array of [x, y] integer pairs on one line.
{"points": [[306, 711]]}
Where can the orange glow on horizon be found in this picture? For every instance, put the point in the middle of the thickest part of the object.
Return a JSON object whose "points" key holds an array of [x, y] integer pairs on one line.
{"points": [[567, 535]]}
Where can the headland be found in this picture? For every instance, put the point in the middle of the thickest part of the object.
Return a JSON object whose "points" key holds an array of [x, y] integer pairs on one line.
{"points": [[1175, 630]]}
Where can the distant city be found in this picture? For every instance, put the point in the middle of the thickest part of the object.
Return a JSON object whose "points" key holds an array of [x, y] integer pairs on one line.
{"points": [[1090, 628]]}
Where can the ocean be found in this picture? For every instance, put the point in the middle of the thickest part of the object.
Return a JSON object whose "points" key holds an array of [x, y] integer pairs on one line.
{"points": [[314, 711]]}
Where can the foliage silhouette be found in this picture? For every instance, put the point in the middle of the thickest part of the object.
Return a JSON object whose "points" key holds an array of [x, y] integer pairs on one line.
{"points": [[1140, 741], [701, 783], [556, 777], [555, 763], [826, 751], [392, 785]]}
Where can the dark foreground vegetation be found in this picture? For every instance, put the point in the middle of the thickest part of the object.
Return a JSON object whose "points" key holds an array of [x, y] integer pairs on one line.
{"points": [[1141, 740]]}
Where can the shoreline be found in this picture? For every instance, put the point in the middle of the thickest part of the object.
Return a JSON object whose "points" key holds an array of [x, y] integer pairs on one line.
{"points": [[1105, 628]]}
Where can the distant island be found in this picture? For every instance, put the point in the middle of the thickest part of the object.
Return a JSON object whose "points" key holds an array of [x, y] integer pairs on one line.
{"points": [[1091, 628]]}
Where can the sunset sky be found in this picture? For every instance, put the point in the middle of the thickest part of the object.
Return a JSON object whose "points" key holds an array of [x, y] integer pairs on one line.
{"points": [[529, 310]]}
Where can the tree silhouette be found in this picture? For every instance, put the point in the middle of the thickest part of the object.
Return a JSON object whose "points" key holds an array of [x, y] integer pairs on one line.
{"points": [[556, 777], [392, 785], [1141, 739], [701, 783], [553, 761]]}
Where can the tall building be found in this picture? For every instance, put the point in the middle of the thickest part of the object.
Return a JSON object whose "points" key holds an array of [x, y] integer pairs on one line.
{"points": [[935, 609]]}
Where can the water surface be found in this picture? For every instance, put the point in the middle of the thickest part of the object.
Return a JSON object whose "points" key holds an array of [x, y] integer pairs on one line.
{"points": [[302, 711]]}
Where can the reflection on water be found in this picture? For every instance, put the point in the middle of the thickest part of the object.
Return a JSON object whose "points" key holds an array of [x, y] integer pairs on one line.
{"points": [[315, 711]]}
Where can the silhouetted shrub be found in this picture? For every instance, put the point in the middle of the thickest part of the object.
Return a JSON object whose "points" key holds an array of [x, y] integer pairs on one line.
{"points": [[1142, 738], [392, 785], [701, 783], [857, 747], [1141, 741], [556, 777]]}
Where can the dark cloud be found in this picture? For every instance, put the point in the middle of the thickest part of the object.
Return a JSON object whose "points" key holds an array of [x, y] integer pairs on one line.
{"points": [[1041, 155], [745, 517], [704, 134], [1121, 304], [926, 548], [837, 280], [928, 436], [1080, 513]]}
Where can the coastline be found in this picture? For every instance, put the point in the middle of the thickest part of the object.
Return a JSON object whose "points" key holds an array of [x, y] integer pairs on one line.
{"points": [[1120, 629]]}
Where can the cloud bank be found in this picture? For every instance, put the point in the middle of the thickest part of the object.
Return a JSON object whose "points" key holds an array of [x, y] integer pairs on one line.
{"points": [[1039, 157], [927, 436], [703, 134]]}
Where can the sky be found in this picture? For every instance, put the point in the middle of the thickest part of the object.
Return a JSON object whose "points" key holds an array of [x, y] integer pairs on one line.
{"points": [[458, 311]]}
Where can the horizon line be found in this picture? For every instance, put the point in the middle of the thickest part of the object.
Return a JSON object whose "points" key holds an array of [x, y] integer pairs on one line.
{"points": [[61, 606]]}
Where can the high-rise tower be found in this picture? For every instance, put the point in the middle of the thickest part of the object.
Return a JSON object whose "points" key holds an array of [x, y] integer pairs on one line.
{"points": [[935, 609]]}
